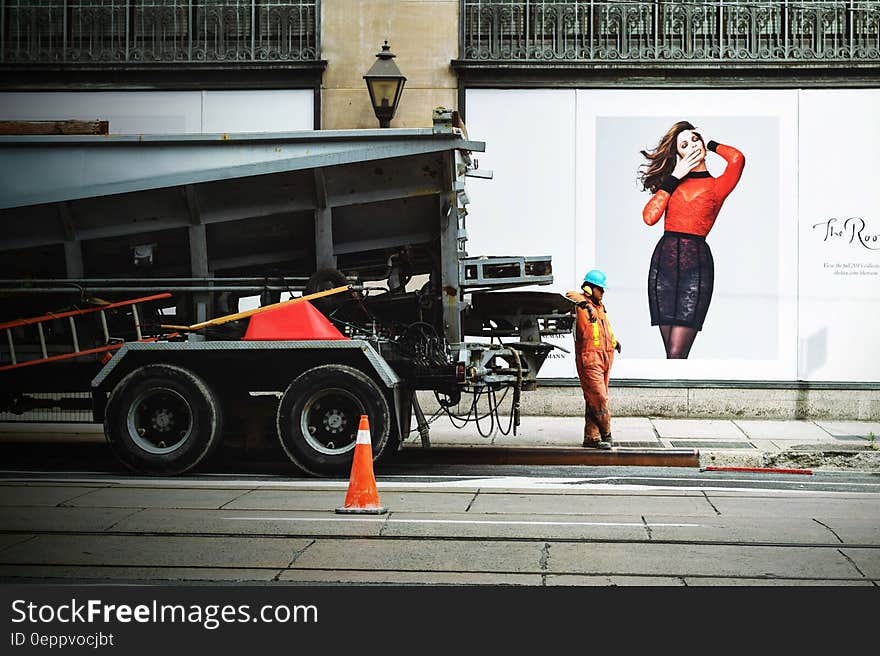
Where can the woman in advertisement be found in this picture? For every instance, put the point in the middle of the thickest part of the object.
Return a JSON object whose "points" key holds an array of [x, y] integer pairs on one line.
{"points": [[682, 272]]}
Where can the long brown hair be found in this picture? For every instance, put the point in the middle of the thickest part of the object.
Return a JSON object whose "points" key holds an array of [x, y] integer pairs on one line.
{"points": [[662, 159]]}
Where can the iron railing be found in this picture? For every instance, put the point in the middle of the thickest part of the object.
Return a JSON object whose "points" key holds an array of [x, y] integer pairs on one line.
{"points": [[155, 31], [689, 31]]}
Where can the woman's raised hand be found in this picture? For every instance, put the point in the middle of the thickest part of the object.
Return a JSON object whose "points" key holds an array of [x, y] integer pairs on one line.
{"points": [[688, 163]]}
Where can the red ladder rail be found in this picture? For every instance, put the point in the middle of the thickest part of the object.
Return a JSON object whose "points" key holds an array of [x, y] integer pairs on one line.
{"points": [[70, 314]]}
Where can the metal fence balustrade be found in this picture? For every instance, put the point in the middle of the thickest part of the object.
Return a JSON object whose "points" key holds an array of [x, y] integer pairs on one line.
{"points": [[690, 31], [173, 31]]}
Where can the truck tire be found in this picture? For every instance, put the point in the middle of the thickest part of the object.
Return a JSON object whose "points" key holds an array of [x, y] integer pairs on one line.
{"points": [[162, 419], [318, 417]]}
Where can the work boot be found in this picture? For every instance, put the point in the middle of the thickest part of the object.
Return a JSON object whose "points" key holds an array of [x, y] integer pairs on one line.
{"points": [[596, 444], [606, 442]]}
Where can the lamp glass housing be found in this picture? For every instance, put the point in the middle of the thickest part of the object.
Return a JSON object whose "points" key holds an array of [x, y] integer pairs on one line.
{"points": [[385, 83]]}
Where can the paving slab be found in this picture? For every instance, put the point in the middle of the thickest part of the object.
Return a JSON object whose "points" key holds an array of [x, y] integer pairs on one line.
{"points": [[851, 428], [851, 531], [709, 444], [714, 429], [782, 430], [536, 431], [154, 551], [769, 446], [252, 522], [739, 529], [332, 499], [631, 423], [832, 508], [633, 429], [419, 556], [695, 582], [60, 519], [547, 437], [516, 526], [709, 560], [29, 494], [606, 581], [136, 574], [588, 504], [588, 486], [143, 497], [355, 577], [9, 539], [867, 560]]}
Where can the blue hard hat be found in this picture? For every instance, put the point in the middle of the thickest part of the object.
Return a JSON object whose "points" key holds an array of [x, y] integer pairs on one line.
{"points": [[595, 277]]}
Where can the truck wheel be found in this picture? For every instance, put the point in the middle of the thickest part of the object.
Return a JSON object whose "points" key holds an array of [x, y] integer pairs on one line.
{"points": [[162, 420], [318, 418]]}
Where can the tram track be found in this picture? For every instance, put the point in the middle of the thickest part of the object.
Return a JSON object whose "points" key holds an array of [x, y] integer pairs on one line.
{"points": [[443, 538]]}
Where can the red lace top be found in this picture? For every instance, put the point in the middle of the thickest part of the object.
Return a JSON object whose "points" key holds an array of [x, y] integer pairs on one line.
{"points": [[692, 204]]}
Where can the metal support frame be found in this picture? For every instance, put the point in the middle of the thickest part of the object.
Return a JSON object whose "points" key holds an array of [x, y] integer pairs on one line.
{"points": [[198, 253], [324, 253], [449, 248]]}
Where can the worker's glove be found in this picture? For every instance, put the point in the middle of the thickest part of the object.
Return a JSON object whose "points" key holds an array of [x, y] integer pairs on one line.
{"points": [[582, 305], [618, 347]]}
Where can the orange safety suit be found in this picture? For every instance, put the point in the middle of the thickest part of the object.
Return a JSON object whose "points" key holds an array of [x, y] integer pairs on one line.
{"points": [[594, 352]]}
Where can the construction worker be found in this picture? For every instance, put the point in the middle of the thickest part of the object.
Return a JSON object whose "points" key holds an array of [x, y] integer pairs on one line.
{"points": [[594, 352]]}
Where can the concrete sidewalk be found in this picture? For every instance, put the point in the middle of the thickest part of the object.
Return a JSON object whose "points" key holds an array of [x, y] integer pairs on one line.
{"points": [[764, 443]]}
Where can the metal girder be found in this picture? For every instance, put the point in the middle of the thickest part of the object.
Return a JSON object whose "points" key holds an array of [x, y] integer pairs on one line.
{"points": [[45, 169]]}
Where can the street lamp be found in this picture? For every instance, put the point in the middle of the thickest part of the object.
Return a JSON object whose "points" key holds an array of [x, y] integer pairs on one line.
{"points": [[385, 84]]}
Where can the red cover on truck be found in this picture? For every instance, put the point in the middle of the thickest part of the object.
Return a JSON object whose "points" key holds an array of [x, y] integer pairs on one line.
{"points": [[293, 321]]}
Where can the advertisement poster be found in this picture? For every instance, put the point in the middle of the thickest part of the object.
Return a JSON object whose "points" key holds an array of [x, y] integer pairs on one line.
{"points": [[573, 187]]}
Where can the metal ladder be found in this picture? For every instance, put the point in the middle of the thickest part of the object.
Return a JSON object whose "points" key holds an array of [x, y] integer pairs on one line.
{"points": [[71, 316]]}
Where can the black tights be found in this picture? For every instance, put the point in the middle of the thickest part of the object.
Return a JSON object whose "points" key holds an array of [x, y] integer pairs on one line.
{"points": [[678, 341]]}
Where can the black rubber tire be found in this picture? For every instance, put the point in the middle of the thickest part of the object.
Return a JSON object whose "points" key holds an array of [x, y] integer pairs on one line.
{"points": [[318, 418], [161, 400]]}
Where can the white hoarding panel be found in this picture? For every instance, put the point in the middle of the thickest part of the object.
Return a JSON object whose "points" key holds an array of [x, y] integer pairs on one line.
{"points": [[528, 206], [129, 112], [839, 236], [283, 110], [168, 112]]}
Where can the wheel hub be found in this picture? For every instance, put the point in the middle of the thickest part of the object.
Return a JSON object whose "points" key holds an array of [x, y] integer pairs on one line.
{"points": [[334, 421], [163, 420], [329, 418], [160, 420]]}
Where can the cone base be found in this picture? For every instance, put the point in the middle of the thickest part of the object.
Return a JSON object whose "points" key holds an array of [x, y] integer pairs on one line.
{"points": [[363, 511]]}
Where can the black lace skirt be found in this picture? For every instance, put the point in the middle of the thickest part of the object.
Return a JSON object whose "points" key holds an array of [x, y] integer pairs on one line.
{"points": [[680, 280]]}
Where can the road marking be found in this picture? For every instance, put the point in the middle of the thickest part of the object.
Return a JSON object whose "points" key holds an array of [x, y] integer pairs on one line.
{"points": [[499, 522]]}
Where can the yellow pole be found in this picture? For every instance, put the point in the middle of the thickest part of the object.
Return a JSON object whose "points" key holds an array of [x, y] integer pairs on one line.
{"points": [[247, 313]]}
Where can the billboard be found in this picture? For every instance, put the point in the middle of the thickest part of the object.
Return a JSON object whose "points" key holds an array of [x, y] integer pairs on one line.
{"points": [[571, 185]]}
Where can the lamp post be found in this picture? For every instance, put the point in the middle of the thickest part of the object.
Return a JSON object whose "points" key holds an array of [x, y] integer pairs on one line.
{"points": [[385, 84]]}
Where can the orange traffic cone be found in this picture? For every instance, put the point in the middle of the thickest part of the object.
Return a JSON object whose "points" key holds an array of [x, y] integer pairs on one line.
{"points": [[362, 497]]}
